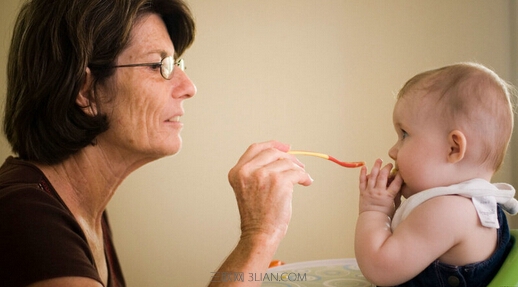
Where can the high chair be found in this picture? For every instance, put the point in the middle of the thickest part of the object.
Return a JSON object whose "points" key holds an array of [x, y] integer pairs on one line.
{"points": [[507, 275]]}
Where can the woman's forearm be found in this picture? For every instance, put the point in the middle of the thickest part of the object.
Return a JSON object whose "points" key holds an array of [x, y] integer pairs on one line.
{"points": [[249, 259]]}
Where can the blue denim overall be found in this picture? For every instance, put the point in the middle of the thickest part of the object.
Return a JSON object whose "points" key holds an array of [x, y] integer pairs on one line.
{"points": [[478, 274]]}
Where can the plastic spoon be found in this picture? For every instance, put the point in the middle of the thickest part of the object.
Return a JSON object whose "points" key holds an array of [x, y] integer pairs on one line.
{"points": [[328, 157]]}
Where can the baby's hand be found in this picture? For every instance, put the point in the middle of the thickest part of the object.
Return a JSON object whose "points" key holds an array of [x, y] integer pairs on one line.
{"points": [[376, 192], [392, 176]]}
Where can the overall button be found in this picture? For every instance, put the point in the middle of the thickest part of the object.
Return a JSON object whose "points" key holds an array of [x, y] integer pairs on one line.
{"points": [[453, 281]]}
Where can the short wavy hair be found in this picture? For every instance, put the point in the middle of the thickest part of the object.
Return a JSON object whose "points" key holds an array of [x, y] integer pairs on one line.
{"points": [[53, 43]]}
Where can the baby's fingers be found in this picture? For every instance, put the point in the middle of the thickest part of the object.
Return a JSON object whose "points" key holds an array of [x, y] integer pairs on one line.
{"points": [[395, 186], [363, 178], [379, 176], [372, 178]]}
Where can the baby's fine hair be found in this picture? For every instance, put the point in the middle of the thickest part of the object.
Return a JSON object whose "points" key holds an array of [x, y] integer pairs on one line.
{"points": [[474, 99]]}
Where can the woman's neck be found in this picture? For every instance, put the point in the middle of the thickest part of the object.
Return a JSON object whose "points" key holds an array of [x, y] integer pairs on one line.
{"points": [[87, 180]]}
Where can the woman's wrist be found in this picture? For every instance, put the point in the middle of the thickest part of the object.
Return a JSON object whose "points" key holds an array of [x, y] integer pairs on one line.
{"points": [[262, 242]]}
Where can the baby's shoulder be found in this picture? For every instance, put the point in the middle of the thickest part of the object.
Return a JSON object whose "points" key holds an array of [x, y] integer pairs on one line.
{"points": [[453, 221], [447, 210], [455, 218]]}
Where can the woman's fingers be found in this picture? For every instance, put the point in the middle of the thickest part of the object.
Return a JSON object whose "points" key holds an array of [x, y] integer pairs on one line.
{"points": [[263, 181]]}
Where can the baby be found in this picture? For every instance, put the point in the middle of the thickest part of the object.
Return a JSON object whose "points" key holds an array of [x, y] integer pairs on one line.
{"points": [[453, 125]]}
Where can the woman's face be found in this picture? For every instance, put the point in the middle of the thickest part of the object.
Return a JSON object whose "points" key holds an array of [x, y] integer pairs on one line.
{"points": [[143, 108]]}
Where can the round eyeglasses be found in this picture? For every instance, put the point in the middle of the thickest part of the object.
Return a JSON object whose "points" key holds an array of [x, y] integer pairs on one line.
{"points": [[166, 65]]}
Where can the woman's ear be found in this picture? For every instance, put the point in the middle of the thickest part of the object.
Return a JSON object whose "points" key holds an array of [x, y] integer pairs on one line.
{"points": [[84, 99], [457, 142]]}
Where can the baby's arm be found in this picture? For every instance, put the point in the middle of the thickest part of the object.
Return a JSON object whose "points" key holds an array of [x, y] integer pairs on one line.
{"points": [[376, 207], [387, 258]]}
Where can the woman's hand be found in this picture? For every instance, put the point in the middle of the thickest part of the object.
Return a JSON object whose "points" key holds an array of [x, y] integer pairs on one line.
{"points": [[263, 181], [375, 195]]}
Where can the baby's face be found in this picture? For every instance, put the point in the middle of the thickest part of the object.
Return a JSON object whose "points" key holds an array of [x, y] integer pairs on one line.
{"points": [[422, 144]]}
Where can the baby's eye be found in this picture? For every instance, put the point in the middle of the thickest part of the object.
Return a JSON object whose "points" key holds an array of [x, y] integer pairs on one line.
{"points": [[404, 134]]}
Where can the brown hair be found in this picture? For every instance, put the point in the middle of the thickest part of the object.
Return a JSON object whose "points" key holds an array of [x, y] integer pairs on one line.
{"points": [[53, 43], [474, 98]]}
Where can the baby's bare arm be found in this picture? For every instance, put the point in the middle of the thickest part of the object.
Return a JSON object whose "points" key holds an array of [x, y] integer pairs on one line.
{"points": [[433, 230]]}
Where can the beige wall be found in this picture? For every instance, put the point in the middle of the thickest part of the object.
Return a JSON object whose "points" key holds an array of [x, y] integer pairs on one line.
{"points": [[8, 11], [320, 75]]}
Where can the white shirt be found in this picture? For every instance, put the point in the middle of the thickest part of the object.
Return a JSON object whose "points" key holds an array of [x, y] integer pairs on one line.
{"points": [[483, 194]]}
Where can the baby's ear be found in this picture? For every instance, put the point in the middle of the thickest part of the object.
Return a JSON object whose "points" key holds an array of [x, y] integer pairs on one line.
{"points": [[84, 99], [458, 143]]}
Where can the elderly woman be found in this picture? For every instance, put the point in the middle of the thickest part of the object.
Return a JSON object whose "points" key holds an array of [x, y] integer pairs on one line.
{"points": [[95, 90]]}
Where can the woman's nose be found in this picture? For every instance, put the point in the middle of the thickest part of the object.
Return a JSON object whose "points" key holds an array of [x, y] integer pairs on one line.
{"points": [[184, 87]]}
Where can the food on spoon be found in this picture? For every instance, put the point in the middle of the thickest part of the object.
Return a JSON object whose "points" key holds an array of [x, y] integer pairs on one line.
{"points": [[328, 157]]}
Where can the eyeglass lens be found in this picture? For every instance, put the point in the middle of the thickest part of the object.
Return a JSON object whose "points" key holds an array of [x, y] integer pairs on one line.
{"points": [[167, 67]]}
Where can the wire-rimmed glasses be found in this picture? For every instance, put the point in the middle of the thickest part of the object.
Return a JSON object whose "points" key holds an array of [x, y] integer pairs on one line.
{"points": [[166, 65]]}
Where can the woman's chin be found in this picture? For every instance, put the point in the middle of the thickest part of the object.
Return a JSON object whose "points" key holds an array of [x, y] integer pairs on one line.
{"points": [[174, 149], [166, 150]]}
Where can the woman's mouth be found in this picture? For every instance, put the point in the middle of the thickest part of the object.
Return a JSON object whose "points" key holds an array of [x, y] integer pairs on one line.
{"points": [[173, 119]]}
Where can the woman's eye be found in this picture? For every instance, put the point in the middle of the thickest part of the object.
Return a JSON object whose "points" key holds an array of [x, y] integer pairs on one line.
{"points": [[156, 66]]}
